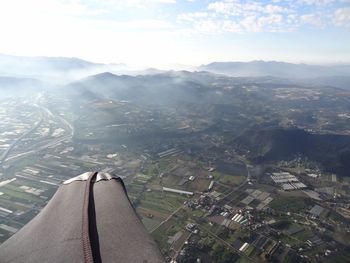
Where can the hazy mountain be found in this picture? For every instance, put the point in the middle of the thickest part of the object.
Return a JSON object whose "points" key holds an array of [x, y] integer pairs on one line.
{"points": [[153, 89], [10, 86], [52, 69], [174, 86], [276, 69], [10, 65]]}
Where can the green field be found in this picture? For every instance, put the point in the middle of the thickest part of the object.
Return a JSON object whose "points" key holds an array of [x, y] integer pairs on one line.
{"points": [[228, 179], [19, 194], [290, 204], [162, 202], [150, 223]]}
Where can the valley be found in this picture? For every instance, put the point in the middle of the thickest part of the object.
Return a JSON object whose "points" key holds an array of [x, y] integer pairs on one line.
{"points": [[217, 167]]}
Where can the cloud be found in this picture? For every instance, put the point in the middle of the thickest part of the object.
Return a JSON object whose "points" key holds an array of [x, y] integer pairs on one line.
{"points": [[236, 16], [316, 2], [311, 19], [270, 20], [250, 24], [95, 6], [253, 23], [342, 17], [192, 16], [119, 4], [274, 9], [267, 16], [231, 26], [234, 8], [141, 24], [269, 23], [209, 26]]}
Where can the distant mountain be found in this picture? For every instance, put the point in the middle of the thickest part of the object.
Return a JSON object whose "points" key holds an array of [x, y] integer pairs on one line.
{"points": [[276, 69], [166, 88], [163, 88], [271, 144], [10, 86], [51, 69], [10, 82], [33, 64], [173, 86]]}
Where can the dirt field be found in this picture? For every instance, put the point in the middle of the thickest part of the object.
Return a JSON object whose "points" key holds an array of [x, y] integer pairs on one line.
{"points": [[146, 212], [200, 185]]}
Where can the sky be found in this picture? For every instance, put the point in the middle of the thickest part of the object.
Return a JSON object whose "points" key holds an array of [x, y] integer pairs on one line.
{"points": [[178, 33]]}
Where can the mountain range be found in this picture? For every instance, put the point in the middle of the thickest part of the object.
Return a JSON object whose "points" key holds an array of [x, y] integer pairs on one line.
{"points": [[63, 70], [276, 69]]}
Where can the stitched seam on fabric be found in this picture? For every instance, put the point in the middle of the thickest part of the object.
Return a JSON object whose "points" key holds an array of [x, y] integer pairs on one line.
{"points": [[86, 245]]}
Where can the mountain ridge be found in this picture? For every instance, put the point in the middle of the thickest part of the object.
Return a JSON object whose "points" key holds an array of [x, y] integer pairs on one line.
{"points": [[276, 69]]}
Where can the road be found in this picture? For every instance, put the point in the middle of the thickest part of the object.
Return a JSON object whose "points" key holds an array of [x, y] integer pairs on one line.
{"points": [[168, 218], [7, 152], [45, 143]]}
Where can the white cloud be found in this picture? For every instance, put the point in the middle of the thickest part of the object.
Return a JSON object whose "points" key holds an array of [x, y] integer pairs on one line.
{"points": [[316, 2], [270, 20], [107, 5], [274, 9], [250, 24], [142, 24], [269, 23], [268, 16], [231, 26], [233, 7], [137, 3], [312, 19], [342, 17], [292, 19], [238, 17], [207, 25], [192, 16]]}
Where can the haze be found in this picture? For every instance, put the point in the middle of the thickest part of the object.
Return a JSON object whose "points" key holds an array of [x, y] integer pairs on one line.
{"points": [[178, 33]]}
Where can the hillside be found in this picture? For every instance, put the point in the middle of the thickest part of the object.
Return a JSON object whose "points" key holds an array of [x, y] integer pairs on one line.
{"points": [[271, 144]]}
